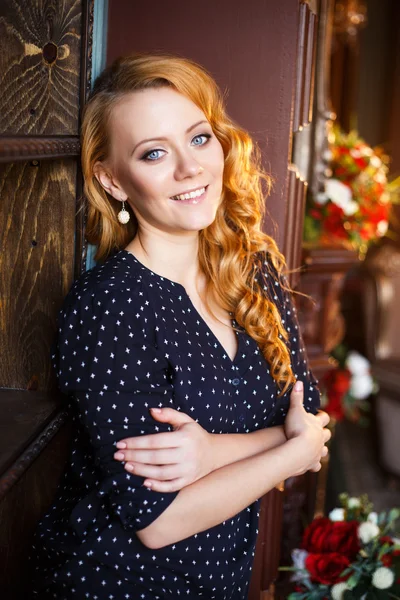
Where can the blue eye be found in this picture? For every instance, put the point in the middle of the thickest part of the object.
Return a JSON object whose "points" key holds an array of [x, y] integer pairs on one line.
{"points": [[148, 155], [202, 135]]}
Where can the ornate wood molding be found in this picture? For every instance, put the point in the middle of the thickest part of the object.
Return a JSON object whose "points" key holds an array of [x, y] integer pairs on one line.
{"points": [[305, 68], [23, 148], [301, 131], [297, 189]]}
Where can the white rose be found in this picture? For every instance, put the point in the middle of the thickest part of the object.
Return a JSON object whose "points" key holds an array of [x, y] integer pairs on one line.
{"points": [[351, 208], [338, 192], [337, 514], [396, 541], [367, 531], [299, 562], [353, 503], [383, 578], [321, 198], [375, 162], [361, 386], [366, 151], [357, 364], [338, 590], [373, 518], [382, 227]]}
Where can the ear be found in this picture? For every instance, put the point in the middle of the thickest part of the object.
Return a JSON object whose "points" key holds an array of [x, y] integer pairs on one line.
{"points": [[108, 182]]}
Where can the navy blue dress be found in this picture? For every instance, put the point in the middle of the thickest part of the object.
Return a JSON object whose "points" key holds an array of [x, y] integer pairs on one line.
{"points": [[129, 340]]}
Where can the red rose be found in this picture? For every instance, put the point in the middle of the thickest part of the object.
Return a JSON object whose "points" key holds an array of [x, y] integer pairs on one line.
{"points": [[327, 568], [342, 381], [324, 535], [386, 539], [335, 406], [344, 538], [387, 560], [315, 533]]}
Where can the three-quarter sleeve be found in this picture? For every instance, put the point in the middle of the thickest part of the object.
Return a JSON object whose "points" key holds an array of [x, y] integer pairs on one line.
{"points": [[108, 362], [299, 361]]}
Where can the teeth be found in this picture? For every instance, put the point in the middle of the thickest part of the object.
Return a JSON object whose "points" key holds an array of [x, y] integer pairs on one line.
{"points": [[194, 194]]}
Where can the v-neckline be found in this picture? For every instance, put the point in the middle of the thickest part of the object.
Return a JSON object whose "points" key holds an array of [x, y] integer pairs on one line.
{"points": [[232, 360], [179, 286]]}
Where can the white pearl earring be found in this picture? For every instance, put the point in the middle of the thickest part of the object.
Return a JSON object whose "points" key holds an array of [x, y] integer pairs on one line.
{"points": [[123, 215]]}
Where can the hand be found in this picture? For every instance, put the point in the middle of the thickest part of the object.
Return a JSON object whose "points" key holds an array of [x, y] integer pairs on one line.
{"points": [[172, 460], [300, 423]]}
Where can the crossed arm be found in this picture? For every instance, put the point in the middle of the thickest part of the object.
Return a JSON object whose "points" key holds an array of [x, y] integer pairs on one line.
{"points": [[170, 461], [228, 487]]}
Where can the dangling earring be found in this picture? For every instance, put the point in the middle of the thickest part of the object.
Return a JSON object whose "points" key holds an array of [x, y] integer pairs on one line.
{"points": [[123, 215]]}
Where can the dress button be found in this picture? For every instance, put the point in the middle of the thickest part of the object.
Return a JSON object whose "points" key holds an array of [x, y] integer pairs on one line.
{"points": [[236, 381], [241, 418]]}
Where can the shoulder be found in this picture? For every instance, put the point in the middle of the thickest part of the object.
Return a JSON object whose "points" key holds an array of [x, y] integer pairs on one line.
{"points": [[115, 282], [112, 299]]}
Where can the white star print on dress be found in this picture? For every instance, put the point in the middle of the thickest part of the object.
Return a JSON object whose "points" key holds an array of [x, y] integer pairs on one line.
{"points": [[129, 340]]}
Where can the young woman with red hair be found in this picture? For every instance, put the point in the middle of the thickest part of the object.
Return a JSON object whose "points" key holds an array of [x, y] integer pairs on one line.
{"points": [[178, 351]]}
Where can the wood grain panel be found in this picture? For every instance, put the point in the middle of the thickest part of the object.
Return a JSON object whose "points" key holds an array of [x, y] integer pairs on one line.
{"points": [[37, 224], [40, 66], [297, 189]]}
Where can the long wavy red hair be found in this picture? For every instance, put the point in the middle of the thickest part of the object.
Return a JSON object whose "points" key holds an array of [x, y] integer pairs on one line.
{"points": [[233, 246]]}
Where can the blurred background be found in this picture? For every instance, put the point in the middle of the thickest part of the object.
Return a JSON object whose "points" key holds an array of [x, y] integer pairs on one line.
{"points": [[317, 85]]}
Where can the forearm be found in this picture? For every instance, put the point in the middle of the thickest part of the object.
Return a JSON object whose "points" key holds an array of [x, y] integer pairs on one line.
{"points": [[223, 494], [232, 447]]}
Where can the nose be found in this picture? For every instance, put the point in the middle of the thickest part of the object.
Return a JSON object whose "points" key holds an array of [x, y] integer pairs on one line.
{"points": [[187, 166]]}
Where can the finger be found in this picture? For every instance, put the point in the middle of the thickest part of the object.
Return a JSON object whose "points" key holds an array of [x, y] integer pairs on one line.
{"points": [[296, 395], [171, 416], [153, 472], [165, 486], [323, 417], [324, 451], [327, 435], [315, 468], [166, 456], [168, 439]]}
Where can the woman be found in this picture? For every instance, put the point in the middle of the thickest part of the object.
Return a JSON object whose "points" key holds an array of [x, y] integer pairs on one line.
{"points": [[183, 332]]}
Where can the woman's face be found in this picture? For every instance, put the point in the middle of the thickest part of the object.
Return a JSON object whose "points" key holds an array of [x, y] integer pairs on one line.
{"points": [[183, 155]]}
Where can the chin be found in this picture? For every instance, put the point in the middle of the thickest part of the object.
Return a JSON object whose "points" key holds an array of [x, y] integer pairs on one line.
{"points": [[199, 222]]}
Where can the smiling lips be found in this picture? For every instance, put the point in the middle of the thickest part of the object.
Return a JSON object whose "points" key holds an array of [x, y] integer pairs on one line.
{"points": [[194, 195]]}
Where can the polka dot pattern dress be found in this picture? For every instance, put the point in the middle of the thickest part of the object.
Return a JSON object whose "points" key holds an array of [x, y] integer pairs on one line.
{"points": [[129, 340]]}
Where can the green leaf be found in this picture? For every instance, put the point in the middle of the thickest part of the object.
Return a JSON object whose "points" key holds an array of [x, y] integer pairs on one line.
{"points": [[352, 581], [394, 514]]}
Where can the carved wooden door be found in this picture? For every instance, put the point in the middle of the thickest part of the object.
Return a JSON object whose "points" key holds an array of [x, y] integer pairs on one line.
{"points": [[45, 75]]}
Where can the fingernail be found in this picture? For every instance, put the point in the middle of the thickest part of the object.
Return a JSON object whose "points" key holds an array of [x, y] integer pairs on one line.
{"points": [[147, 484], [298, 386], [129, 467], [156, 410], [120, 445], [119, 456]]}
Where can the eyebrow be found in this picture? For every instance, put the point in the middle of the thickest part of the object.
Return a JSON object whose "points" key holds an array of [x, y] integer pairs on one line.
{"points": [[164, 138]]}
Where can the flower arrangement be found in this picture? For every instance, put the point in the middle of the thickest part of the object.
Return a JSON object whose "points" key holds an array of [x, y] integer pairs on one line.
{"points": [[352, 554], [345, 390], [354, 208]]}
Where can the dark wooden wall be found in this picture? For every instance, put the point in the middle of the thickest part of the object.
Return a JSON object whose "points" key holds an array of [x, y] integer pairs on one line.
{"points": [[45, 76]]}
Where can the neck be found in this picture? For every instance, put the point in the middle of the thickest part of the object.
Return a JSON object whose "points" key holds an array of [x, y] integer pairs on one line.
{"points": [[173, 257]]}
